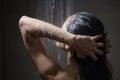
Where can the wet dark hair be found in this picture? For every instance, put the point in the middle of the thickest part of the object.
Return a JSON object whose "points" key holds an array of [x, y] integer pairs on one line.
{"points": [[84, 23]]}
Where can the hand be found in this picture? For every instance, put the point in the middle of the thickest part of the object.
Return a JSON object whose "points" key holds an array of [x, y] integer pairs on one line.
{"points": [[87, 46], [107, 44]]}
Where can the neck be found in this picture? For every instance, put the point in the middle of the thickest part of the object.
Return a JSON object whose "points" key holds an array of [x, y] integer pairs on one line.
{"points": [[69, 59]]}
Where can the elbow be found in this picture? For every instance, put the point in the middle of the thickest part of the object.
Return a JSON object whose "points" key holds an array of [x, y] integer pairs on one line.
{"points": [[22, 21]]}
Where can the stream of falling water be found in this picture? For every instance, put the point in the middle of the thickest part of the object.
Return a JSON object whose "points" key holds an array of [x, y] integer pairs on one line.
{"points": [[55, 12]]}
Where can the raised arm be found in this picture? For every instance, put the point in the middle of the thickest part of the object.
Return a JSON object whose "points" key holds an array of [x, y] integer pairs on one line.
{"points": [[45, 64], [45, 29], [82, 44]]}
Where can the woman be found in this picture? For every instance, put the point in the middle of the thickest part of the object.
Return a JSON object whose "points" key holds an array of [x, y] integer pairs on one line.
{"points": [[84, 23], [80, 36]]}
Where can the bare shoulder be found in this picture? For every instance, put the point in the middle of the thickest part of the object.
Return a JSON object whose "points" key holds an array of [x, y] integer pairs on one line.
{"points": [[68, 73]]}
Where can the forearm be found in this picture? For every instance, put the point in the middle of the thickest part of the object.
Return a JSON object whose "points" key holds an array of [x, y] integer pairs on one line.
{"points": [[47, 30], [31, 33]]}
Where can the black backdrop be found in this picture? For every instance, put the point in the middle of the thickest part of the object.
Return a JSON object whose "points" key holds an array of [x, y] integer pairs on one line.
{"points": [[15, 64]]}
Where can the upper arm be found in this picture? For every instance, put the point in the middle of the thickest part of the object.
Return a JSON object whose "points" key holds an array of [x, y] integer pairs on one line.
{"points": [[45, 64]]}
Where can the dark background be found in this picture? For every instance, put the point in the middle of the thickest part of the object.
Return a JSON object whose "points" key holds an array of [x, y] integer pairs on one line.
{"points": [[16, 64]]}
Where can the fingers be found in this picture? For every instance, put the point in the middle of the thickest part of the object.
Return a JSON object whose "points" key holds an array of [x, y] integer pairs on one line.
{"points": [[99, 45], [98, 51], [80, 55], [107, 51], [67, 47], [108, 45], [90, 54], [93, 56], [107, 48], [107, 41], [97, 37], [60, 45], [93, 53]]}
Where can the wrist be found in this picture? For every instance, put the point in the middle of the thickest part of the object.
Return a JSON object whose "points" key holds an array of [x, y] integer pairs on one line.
{"points": [[73, 39], [76, 39]]}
